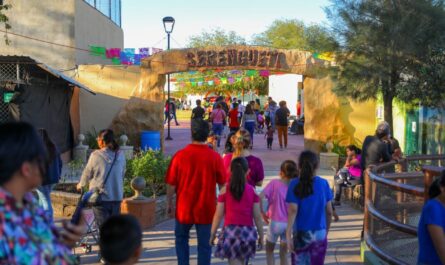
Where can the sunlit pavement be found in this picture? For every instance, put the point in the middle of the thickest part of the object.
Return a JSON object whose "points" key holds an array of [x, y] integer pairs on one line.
{"points": [[159, 244]]}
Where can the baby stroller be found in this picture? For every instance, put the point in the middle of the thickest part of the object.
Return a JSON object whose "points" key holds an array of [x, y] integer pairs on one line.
{"points": [[91, 237]]}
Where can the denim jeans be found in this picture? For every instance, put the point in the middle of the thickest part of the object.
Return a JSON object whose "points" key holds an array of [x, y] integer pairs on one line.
{"points": [[182, 235], [45, 199], [106, 210], [217, 130], [250, 127]]}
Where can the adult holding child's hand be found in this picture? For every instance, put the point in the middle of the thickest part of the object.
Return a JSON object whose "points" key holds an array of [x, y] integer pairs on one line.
{"points": [[28, 235]]}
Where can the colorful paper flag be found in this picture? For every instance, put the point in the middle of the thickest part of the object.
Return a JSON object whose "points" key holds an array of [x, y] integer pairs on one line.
{"points": [[98, 51], [155, 50], [144, 52], [116, 61], [264, 73], [113, 53]]}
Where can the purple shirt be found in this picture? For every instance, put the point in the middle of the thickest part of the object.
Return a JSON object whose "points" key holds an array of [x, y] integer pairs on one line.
{"points": [[275, 193], [218, 116], [356, 170], [256, 173]]}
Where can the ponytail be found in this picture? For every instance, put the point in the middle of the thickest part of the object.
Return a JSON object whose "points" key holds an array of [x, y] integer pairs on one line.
{"points": [[307, 163], [238, 168], [289, 169], [434, 189], [107, 136]]}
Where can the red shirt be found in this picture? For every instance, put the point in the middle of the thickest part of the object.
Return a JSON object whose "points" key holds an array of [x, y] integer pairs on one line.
{"points": [[195, 171], [233, 116], [239, 212]]}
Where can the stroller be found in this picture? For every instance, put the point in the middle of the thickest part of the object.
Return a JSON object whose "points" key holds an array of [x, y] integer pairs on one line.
{"points": [[91, 237]]}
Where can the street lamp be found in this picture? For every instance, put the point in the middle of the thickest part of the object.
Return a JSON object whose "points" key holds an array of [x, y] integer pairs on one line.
{"points": [[169, 23]]}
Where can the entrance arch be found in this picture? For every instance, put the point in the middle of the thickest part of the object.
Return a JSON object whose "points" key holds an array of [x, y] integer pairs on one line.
{"points": [[323, 116]]}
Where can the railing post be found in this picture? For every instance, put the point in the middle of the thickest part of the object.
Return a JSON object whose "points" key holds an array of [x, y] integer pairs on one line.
{"points": [[367, 200]]}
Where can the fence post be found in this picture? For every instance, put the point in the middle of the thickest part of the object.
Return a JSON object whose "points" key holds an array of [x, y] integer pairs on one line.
{"points": [[367, 200]]}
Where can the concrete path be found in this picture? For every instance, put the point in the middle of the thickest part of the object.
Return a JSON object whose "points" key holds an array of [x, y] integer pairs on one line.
{"points": [[344, 237]]}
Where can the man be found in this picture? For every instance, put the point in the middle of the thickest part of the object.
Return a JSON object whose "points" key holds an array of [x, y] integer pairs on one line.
{"points": [[234, 118], [241, 108], [172, 109], [272, 108], [375, 150], [198, 112], [193, 174], [281, 122]]}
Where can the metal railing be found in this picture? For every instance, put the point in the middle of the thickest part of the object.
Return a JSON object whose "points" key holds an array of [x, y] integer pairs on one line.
{"points": [[394, 196]]}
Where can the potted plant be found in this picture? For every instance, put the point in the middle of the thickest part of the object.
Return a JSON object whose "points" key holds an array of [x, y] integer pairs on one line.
{"points": [[149, 167]]}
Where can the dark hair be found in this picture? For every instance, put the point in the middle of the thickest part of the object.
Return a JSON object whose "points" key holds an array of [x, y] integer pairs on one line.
{"points": [[120, 237], [239, 101], [198, 102], [107, 135], [219, 105], [307, 165], [354, 148], [282, 103], [434, 189], [49, 144], [261, 112], [257, 101], [249, 109], [289, 168], [228, 147], [235, 105], [200, 130], [19, 143], [238, 169]]}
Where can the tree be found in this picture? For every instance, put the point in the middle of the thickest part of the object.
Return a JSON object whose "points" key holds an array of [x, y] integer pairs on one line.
{"points": [[216, 37], [5, 21], [383, 46], [294, 34]]}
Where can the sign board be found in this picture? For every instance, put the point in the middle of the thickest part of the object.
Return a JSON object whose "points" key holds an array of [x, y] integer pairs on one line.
{"points": [[7, 97]]}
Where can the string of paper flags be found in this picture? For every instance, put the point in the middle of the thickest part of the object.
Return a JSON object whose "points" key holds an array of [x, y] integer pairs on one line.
{"points": [[127, 56]]}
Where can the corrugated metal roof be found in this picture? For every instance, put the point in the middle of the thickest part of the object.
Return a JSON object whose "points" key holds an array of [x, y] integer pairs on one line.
{"points": [[58, 74]]}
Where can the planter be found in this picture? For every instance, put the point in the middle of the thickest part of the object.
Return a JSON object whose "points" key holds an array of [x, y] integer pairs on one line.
{"points": [[143, 210]]}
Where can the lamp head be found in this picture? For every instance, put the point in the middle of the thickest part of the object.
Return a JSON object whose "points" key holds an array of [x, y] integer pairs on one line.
{"points": [[169, 23]]}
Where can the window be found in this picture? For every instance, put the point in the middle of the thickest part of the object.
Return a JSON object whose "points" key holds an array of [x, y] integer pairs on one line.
{"points": [[110, 8]]}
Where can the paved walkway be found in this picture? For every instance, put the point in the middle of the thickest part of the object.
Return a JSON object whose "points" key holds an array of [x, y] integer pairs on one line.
{"points": [[344, 237]]}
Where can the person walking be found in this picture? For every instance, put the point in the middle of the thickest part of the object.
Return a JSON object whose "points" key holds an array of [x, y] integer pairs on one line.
{"points": [[105, 171], [271, 109], [28, 236], [234, 118], [249, 122], [198, 112], [309, 213], [239, 205], [276, 216], [281, 123], [217, 117], [269, 137], [173, 107], [52, 175], [192, 175], [167, 110], [255, 176]]}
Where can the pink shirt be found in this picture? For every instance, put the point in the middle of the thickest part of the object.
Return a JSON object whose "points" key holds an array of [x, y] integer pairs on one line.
{"points": [[218, 116], [275, 193], [356, 170], [239, 212]]}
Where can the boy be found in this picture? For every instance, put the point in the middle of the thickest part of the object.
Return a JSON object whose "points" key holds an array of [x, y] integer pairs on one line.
{"points": [[120, 240], [269, 135]]}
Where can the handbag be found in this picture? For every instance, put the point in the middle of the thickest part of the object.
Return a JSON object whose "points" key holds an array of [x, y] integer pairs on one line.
{"points": [[342, 177], [94, 196]]}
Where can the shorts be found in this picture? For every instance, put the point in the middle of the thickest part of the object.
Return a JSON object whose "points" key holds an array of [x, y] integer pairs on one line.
{"points": [[276, 230]]}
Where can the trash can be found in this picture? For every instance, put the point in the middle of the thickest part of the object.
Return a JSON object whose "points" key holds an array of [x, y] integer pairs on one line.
{"points": [[150, 140]]}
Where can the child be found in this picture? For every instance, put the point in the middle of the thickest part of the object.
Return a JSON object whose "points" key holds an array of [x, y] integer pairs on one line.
{"points": [[211, 141], [269, 136], [239, 205], [260, 121], [276, 216], [120, 240]]}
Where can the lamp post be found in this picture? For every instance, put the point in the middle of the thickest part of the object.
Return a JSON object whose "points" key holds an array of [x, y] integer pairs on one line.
{"points": [[169, 23]]}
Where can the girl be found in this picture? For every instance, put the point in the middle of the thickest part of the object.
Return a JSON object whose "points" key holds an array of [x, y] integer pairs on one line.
{"points": [[255, 175], [309, 213], [354, 171], [249, 122], [276, 216], [431, 230], [239, 205], [218, 116]]}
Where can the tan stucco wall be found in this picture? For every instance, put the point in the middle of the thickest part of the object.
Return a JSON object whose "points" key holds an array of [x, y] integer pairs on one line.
{"points": [[114, 86], [330, 117], [70, 22]]}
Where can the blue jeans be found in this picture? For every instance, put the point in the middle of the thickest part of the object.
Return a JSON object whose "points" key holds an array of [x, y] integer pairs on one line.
{"points": [[217, 130], [45, 199], [182, 235], [250, 127], [105, 210]]}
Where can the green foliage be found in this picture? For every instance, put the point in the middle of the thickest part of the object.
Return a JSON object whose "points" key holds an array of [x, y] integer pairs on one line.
{"points": [[215, 37], [91, 138], [294, 34], [5, 20], [152, 166]]}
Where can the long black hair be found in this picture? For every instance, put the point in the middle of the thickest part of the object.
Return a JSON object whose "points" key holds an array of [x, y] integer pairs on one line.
{"points": [[228, 147], [434, 189], [307, 165], [239, 168], [107, 135], [354, 148], [19, 143]]}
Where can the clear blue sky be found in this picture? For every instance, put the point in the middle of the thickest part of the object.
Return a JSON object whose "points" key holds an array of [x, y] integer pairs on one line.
{"points": [[142, 20]]}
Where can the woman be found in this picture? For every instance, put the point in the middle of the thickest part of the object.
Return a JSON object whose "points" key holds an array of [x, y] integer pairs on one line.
{"points": [[249, 121], [53, 173], [27, 234], [309, 213], [105, 171], [255, 176], [351, 172], [431, 230], [218, 116]]}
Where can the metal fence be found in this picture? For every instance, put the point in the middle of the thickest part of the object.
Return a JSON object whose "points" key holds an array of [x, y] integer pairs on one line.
{"points": [[394, 197]]}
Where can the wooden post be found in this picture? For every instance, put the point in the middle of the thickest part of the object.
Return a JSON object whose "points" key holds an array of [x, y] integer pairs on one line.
{"points": [[368, 197]]}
